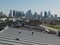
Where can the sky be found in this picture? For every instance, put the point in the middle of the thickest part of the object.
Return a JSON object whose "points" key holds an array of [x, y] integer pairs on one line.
{"points": [[34, 5]]}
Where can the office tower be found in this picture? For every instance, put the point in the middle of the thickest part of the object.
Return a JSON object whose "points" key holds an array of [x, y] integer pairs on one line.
{"points": [[45, 14], [38, 17], [55, 15], [35, 15], [14, 13], [51, 16], [49, 13], [17, 14], [10, 14], [23, 14], [1, 13], [29, 14], [41, 15], [20, 14]]}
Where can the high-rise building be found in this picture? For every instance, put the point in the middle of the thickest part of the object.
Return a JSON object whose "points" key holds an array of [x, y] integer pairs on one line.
{"points": [[14, 13], [1, 13], [17, 14], [35, 15], [45, 14], [38, 17], [10, 14], [29, 14], [55, 15], [51, 16], [49, 13], [21, 14], [41, 15]]}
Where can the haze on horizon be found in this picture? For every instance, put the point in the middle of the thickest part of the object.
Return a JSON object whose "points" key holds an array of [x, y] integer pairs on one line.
{"points": [[34, 5]]}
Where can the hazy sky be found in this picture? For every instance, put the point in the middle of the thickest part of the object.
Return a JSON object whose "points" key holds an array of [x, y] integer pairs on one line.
{"points": [[34, 5]]}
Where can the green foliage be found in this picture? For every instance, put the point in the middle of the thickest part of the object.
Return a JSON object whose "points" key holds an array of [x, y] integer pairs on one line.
{"points": [[54, 26]]}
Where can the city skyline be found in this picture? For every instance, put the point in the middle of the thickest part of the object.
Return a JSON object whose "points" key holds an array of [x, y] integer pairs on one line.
{"points": [[30, 15], [34, 5]]}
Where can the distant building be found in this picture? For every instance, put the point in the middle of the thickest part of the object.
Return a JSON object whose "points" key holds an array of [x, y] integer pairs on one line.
{"points": [[1, 14], [38, 17], [45, 14], [49, 13], [41, 15], [55, 15], [35, 15], [14, 13], [10, 14], [17, 14], [51, 16], [29, 14], [22, 14]]}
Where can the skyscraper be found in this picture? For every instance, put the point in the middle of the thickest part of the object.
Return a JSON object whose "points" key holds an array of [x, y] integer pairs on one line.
{"points": [[22, 14], [14, 14], [55, 15], [49, 13], [35, 15], [10, 14], [17, 14], [41, 15], [51, 16], [1, 13], [29, 14], [45, 14]]}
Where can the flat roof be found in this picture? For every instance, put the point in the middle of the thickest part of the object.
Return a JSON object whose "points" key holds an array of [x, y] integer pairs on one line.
{"points": [[9, 35]]}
